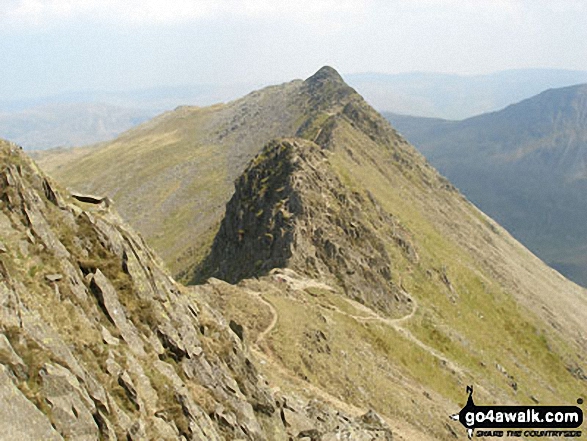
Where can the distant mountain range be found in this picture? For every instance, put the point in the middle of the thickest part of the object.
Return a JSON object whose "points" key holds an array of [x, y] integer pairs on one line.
{"points": [[159, 98], [525, 165], [67, 125], [84, 117], [453, 96], [87, 117]]}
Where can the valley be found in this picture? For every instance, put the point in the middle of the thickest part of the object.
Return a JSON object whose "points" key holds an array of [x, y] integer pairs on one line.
{"points": [[524, 166]]}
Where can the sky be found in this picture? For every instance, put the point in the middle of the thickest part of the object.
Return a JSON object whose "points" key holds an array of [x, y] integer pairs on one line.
{"points": [[55, 46]]}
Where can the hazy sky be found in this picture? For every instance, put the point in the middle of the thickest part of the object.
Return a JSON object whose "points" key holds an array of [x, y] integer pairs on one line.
{"points": [[51, 46]]}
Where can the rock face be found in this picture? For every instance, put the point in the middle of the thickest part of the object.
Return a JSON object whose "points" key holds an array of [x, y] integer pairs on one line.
{"points": [[291, 210], [113, 348]]}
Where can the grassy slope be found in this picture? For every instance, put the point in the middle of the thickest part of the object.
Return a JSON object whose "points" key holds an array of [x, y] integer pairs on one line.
{"points": [[489, 313], [477, 320], [483, 265]]}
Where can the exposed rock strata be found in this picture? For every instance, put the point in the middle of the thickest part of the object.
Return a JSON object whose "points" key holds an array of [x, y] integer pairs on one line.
{"points": [[291, 210]]}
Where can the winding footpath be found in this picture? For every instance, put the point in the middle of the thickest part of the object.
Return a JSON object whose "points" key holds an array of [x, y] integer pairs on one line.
{"points": [[264, 353]]}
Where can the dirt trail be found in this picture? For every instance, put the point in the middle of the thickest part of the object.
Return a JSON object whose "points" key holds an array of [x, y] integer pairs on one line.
{"points": [[373, 316], [274, 317], [298, 283], [402, 430]]}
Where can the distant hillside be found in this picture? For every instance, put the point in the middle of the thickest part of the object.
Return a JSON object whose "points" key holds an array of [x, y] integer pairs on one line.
{"points": [[159, 98], [525, 165], [87, 117], [458, 96], [68, 125]]}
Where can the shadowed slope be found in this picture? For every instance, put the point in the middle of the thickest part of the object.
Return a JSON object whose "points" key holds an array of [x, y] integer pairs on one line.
{"points": [[525, 165]]}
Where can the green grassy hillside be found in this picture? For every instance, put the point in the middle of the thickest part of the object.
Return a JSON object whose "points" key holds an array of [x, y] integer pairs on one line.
{"points": [[388, 288]]}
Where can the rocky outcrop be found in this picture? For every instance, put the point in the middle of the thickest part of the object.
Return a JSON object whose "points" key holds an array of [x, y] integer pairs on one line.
{"points": [[115, 287], [91, 199], [98, 342], [290, 209]]}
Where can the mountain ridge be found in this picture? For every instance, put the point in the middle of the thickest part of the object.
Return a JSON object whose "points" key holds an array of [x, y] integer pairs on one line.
{"points": [[292, 232], [230, 134], [483, 309]]}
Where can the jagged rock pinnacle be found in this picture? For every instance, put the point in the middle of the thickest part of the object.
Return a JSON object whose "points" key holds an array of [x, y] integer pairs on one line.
{"points": [[325, 73], [326, 88]]}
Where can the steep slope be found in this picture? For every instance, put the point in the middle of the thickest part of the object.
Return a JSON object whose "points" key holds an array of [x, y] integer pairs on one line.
{"points": [[171, 177], [388, 288], [525, 165], [98, 342]]}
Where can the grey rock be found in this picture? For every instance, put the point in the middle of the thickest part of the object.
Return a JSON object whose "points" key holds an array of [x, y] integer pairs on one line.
{"points": [[9, 305], [11, 359], [144, 389], [71, 408], [48, 339], [107, 430], [372, 419], [74, 279], [127, 384], [19, 418], [296, 421], [108, 338], [137, 432], [42, 230], [112, 367], [108, 299], [54, 277]]}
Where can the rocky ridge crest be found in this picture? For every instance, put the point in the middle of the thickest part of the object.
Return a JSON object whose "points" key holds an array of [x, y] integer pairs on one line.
{"points": [[291, 210]]}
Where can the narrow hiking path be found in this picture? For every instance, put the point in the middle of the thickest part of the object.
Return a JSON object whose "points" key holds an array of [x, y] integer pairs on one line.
{"points": [[274, 317], [402, 429], [395, 323], [296, 283]]}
